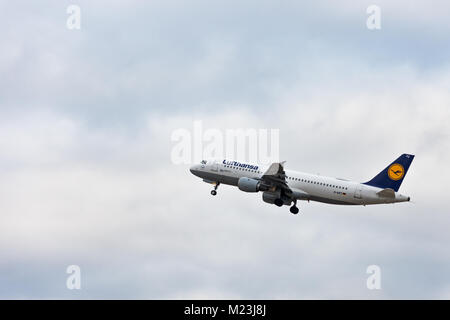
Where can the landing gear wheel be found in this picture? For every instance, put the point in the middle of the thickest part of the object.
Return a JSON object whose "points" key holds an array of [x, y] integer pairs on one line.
{"points": [[214, 192], [294, 209], [278, 202]]}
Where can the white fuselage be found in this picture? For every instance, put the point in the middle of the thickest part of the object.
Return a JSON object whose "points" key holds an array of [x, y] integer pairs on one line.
{"points": [[310, 186]]}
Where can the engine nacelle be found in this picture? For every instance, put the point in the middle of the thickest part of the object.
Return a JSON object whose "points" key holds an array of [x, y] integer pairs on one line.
{"points": [[249, 184], [271, 197]]}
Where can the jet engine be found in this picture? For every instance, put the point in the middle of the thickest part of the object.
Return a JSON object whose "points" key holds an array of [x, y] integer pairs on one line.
{"points": [[276, 198], [249, 184]]}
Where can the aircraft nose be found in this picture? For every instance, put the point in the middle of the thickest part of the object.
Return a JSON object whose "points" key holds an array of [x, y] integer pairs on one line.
{"points": [[193, 169]]}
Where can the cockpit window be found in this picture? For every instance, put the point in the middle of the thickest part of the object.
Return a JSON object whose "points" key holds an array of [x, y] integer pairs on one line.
{"points": [[203, 162]]}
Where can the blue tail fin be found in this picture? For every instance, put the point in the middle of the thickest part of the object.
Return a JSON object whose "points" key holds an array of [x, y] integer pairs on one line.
{"points": [[393, 175]]}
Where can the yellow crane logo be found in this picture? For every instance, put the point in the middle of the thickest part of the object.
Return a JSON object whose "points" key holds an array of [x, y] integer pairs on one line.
{"points": [[396, 171]]}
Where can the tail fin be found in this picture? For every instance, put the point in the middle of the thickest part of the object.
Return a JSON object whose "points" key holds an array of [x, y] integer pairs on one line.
{"points": [[393, 175]]}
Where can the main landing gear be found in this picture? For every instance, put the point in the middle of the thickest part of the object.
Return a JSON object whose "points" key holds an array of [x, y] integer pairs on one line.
{"points": [[278, 202], [214, 192], [294, 208]]}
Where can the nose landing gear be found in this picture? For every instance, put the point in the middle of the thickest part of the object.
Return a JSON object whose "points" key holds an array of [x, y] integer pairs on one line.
{"points": [[214, 192]]}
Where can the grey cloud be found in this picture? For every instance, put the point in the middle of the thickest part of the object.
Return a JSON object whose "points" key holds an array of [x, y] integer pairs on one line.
{"points": [[171, 56]]}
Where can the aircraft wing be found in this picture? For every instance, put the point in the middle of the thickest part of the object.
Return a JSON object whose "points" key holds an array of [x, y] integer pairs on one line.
{"points": [[276, 177]]}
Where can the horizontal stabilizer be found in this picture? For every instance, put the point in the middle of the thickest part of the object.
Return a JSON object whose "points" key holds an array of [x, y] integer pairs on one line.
{"points": [[386, 193]]}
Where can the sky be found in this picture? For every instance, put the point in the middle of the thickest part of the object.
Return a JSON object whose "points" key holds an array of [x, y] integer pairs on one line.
{"points": [[87, 179]]}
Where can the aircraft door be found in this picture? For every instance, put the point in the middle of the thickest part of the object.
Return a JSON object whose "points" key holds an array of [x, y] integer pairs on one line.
{"points": [[215, 167]]}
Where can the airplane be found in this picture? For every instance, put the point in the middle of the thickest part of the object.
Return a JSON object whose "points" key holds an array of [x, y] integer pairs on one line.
{"points": [[280, 187]]}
